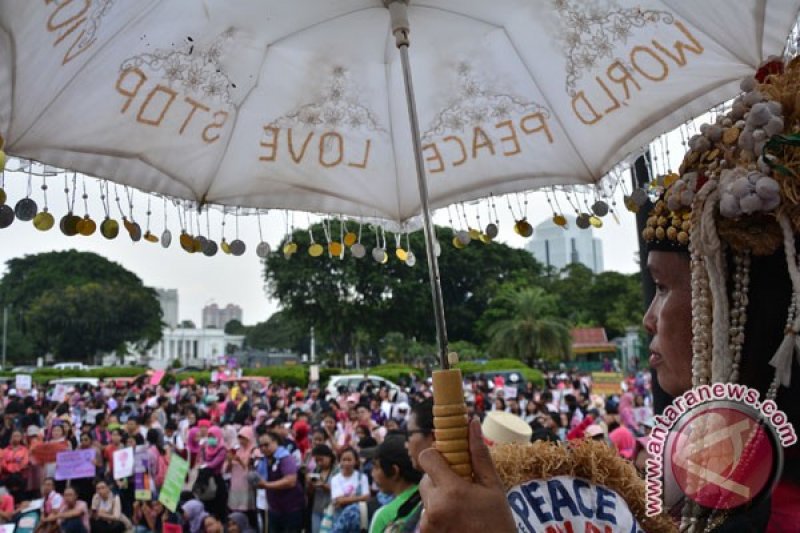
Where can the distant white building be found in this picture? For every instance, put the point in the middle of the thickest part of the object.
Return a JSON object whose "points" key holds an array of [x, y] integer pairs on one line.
{"points": [[168, 298], [192, 347], [558, 247], [215, 316]]}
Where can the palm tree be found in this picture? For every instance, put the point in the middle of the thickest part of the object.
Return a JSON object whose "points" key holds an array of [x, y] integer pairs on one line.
{"points": [[531, 332]]}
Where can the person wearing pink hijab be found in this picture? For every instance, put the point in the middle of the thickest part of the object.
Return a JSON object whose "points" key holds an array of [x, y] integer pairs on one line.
{"points": [[241, 497], [213, 452]]}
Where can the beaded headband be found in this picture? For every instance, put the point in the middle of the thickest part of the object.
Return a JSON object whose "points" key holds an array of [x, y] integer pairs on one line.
{"points": [[737, 191]]}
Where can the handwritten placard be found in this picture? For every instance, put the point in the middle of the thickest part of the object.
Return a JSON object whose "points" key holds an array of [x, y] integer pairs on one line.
{"points": [[23, 382], [123, 463], [59, 393], [173, 482], [141, 479], [75, 464]]}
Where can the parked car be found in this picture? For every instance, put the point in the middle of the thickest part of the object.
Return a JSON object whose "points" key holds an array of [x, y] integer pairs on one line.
{"points": [[24, 369], [70, 366], [351, 382]]}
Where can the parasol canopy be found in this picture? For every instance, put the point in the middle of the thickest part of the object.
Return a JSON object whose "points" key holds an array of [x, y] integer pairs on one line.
{"points": [[301, 105]]}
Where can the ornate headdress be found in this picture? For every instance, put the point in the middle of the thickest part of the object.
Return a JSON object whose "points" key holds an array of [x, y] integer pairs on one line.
{"points": [[735, 201], [737, 191]]}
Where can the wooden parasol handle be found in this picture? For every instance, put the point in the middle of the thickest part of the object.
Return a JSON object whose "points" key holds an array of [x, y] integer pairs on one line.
{"points": [[450, 422]]}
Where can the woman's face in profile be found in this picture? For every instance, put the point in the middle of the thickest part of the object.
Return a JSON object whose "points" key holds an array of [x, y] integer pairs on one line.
{"points": [[669, 321]]}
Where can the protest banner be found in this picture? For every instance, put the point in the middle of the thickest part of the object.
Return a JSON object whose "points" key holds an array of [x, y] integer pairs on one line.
{"points": [[46, 452], [123, 463], [313, 373], [23, 382], [607, 383], [141, 478], [75, 464], [173, 482]]}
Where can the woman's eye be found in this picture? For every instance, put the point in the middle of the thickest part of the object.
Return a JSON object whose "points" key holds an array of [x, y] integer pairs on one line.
{"points": [[661, 288]]}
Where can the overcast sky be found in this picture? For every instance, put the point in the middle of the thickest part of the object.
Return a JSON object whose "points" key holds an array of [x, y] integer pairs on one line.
{"points": [[226, 279]]}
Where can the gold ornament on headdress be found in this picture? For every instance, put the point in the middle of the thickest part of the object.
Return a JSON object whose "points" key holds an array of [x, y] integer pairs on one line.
{"points": [[753, 153]]}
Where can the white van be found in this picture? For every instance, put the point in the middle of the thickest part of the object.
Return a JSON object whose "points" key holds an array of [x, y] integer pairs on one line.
{"points": [[70, 366], [351, 382]]}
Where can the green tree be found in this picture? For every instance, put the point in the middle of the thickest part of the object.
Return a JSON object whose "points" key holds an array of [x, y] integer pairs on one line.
{"points": [[338, 297], [235, 327], [280, 332], [395, 347], [610, 299], [467, 351], [530, 331], [77, 304]]}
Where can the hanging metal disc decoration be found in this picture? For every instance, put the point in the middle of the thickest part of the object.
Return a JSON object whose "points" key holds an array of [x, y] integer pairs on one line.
{"points": [[600, 208], [263, 249], [358, 250], [6, 216], [210, 248], [43, 221], [26, 209], [69, 225], [109, 228], [238, 247]]}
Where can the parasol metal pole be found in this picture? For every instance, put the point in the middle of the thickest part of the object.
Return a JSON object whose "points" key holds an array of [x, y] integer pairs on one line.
{"points": [[398, 10], [449, 409]]}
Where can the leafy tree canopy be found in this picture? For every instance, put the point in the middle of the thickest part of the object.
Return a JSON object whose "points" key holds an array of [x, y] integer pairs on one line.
{"points": [[339, 296], [77, 304]]}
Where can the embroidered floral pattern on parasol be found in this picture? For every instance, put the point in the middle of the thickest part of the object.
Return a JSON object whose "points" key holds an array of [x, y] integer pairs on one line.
{"points": [[199, 71], [476, 102], [590, 33], [336, 106]]}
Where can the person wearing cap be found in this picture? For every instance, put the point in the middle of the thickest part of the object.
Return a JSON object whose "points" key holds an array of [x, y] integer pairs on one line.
{"points": [[395, 475]]}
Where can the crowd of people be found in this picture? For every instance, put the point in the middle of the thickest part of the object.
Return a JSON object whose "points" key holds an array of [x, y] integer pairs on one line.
{"points": [[266, 456]]}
